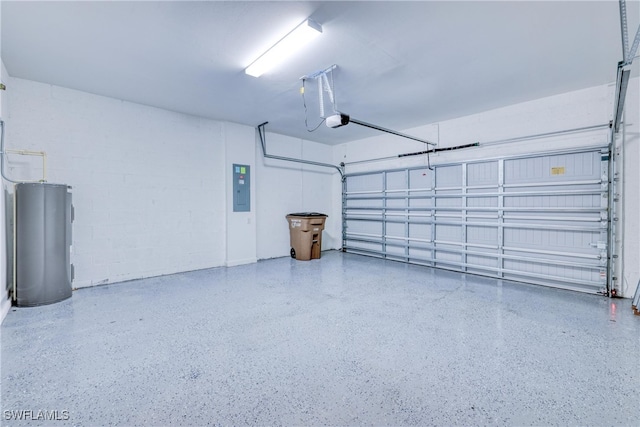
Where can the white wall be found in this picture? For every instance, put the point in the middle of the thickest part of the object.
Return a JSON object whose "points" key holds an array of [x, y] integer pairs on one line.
{"points": [[4, 76], [588, 107], [147, 183], [241, 226], [286, 187], [4, 299], [152, 189]]}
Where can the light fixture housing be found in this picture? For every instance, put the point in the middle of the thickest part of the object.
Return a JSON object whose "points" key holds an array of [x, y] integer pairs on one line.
{"points": [[286, 47]]}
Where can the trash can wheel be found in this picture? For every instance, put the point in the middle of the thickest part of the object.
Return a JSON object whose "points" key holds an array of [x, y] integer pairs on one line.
{"points": [[293, 253]]}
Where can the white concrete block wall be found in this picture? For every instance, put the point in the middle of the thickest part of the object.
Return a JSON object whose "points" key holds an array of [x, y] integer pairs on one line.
{"points": [[5, 303], [4, 100], [241, 226], [285, 187], [4, 300], [588, 107], [317, 194], [152, 189], [147, 183]]}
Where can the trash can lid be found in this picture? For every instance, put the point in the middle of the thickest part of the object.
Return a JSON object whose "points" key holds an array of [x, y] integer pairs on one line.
{"points": [[307, 214]]}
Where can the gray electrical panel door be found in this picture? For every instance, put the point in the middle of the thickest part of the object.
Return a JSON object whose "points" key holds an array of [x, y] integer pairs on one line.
{"points": [[43, 243], [538, 218], [241, 188]]}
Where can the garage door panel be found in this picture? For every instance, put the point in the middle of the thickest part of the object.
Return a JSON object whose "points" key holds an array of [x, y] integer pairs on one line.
{"points": [[397, 250], [396, 204], [420, 231], [421, 178], [591, 260], [447, 253], [553, 168], [396, 180], [367, 227], [559, 240], [537, 218], [550, 269], [395, 229], [564, 200], [483, 261], [367, 182], [584, 218], [421, 202], [422, 254], [573, 223], [448, 233], [449, 176], [482, 202], [365, 246], [364, 204], [482, 234], [482, 174], [449, 199]]}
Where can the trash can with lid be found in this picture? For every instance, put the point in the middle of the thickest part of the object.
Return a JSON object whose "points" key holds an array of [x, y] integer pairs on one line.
{"points": [[305, 230]]}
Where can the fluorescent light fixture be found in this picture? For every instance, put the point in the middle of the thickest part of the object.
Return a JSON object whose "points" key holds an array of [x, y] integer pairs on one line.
{"points": [[286, 47]]}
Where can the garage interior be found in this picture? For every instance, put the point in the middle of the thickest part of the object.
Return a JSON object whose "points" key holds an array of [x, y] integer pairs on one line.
{"points": [[477, 163]]}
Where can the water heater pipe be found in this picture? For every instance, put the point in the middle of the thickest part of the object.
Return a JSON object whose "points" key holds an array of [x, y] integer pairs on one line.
{"points": [[34, 153], [3, 153]]}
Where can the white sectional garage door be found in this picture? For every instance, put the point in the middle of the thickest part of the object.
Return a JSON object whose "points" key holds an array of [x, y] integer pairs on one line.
{"points": [[538, 218]]}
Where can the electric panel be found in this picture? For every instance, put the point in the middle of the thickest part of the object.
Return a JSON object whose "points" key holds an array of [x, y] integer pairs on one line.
{"points": [[241, 188]]}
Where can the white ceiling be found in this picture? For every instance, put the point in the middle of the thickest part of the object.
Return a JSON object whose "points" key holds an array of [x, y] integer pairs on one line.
{"points": [[400, 64]]}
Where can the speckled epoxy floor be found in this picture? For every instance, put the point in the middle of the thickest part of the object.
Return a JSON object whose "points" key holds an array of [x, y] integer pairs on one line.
{"points": [[345, 340]]}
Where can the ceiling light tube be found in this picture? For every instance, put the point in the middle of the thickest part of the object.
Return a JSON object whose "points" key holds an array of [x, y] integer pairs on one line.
{"points": [[286, 47]]}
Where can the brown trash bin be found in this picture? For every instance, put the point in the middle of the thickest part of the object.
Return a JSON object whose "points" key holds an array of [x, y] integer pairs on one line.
{"points": [[305, 229]]}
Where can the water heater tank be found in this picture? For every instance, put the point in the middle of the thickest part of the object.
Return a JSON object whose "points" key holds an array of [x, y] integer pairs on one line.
{"points": [[43, 243]]}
